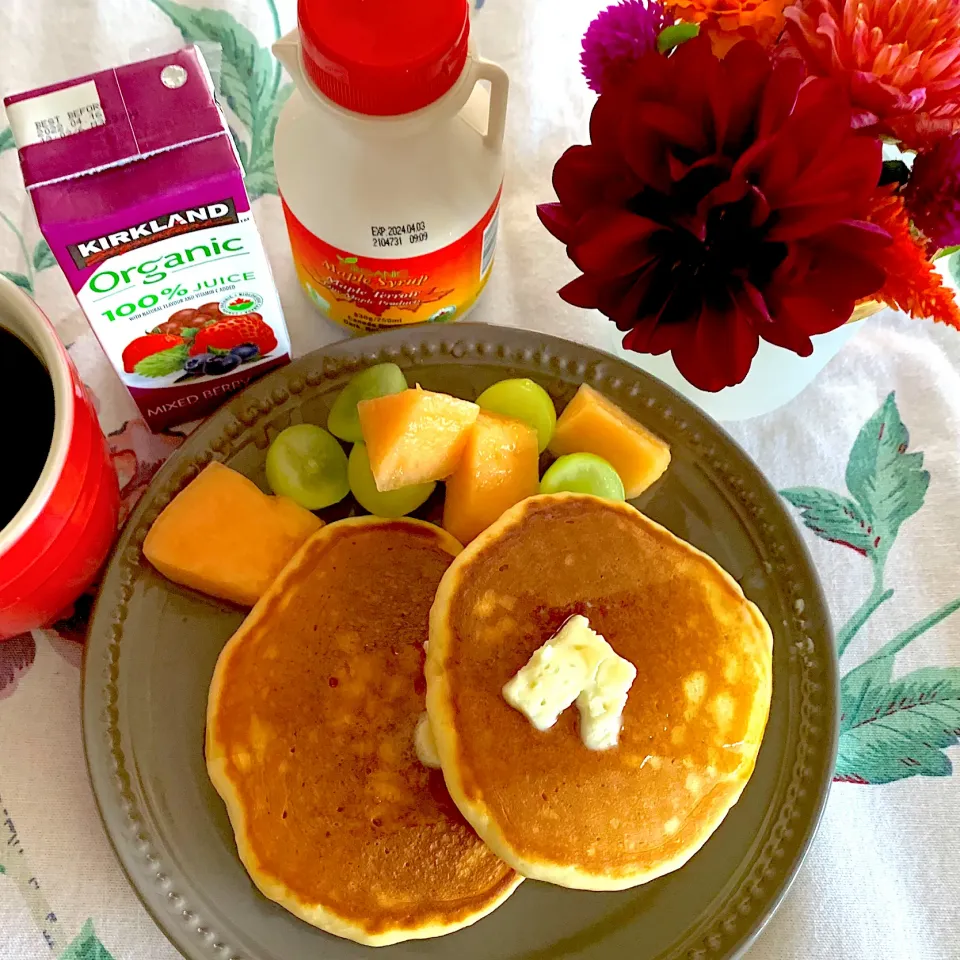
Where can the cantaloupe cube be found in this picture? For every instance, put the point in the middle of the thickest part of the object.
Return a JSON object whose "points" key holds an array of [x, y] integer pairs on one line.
{"points": [[222, 535], [414, 436], [499, 467], [593, 424]]}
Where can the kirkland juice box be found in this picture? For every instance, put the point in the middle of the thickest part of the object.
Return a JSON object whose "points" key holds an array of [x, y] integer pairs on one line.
{"points": [[139, 191]]}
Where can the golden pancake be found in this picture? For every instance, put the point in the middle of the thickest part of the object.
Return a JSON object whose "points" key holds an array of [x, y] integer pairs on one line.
{"points": [[310, 742], [550, 807]]}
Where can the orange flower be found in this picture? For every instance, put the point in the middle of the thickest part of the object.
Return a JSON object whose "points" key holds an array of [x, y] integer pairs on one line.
{"points": [[913, 283], [898, 59], [726, 22]]}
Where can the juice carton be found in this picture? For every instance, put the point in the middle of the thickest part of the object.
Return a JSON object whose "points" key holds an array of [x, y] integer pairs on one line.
{"points": [[139, 192]]}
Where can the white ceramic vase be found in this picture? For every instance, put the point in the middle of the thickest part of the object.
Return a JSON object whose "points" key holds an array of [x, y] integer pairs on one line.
{"points": [[776, 377]]}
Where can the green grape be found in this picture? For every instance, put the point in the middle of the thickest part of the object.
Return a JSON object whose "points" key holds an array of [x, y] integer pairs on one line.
{"points": [[583, 473], [378, 381], [394, 503], [308, 465], [523, 400]]}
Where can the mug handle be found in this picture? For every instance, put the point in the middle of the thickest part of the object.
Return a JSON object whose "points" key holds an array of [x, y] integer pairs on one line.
{"points": [[499, 88]]}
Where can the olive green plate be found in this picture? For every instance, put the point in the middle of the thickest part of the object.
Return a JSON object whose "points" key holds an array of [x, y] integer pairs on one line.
{"points": [[153, 646]]}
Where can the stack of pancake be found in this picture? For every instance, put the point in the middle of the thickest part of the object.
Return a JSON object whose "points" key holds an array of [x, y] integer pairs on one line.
{"points": [[316, 699]]}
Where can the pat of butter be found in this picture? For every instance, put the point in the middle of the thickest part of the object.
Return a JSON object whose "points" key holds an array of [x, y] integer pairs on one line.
{"points": [[576, 664], [425, 744], [556, 673], [602, 701]]}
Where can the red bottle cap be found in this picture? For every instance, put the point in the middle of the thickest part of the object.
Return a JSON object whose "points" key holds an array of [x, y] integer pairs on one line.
{"points": [[384, 57]]}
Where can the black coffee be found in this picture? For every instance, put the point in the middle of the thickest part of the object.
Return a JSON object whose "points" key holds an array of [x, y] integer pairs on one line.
{"points": [[26, 397]]}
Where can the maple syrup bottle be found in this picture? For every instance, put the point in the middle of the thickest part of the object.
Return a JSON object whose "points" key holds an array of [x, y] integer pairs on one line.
{"points": [[389, 160]]}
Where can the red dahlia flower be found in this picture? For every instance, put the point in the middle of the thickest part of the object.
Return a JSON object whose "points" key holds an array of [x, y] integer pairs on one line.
{"points": [[899, 60], [719, 203], [933, 194]]}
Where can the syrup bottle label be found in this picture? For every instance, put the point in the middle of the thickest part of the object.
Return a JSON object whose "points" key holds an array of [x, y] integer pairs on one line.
{"points": [[366, 294]]}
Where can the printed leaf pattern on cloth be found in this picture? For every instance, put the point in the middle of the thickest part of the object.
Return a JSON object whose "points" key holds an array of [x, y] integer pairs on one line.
{"points": [[261, 177], [137, 454], [20, 279], [249, 82], [87, 946], [43, 256], [835, 518], [40, 259], [17, 870], [6, 139], [887, 481], [888, 485], [16, 657], [68, 634], [890, 729]]}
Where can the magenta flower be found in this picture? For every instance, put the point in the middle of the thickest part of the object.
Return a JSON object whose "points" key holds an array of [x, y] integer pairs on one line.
{"points": [[617, 38], [933, 194]]}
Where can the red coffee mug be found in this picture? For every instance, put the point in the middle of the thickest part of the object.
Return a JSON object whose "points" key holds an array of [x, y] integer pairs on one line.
{"points": [[53, 548]]}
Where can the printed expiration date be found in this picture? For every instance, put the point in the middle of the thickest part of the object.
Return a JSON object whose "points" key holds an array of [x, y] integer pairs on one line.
{"points": [[393, 235], [75, 121]]}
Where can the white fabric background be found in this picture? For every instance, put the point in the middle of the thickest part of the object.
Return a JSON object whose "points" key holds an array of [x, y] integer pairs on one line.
{"points": [[882, 878]]}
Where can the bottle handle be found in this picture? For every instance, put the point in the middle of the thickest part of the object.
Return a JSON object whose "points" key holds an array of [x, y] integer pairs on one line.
{"points": [[499, 88], [287, 51]]}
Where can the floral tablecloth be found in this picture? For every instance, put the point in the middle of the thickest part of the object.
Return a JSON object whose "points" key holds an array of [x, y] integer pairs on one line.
{"points": [[867, 458]]}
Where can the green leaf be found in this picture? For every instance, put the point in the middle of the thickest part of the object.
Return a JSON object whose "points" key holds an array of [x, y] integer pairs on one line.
{"points": [[260, 183], [279, 101], [246, 83], [247, 68], [676, 34], [889, 483], [6, 139], [87, 946], [163, 363], [20, 279], [832, 517], [43, 256], [893, 729], [241, 148], [261, 177]]}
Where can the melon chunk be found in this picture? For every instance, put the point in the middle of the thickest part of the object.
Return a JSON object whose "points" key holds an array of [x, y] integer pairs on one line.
{"points": [[499, 467], [593, 424], [222, 535], [414, 436]]}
